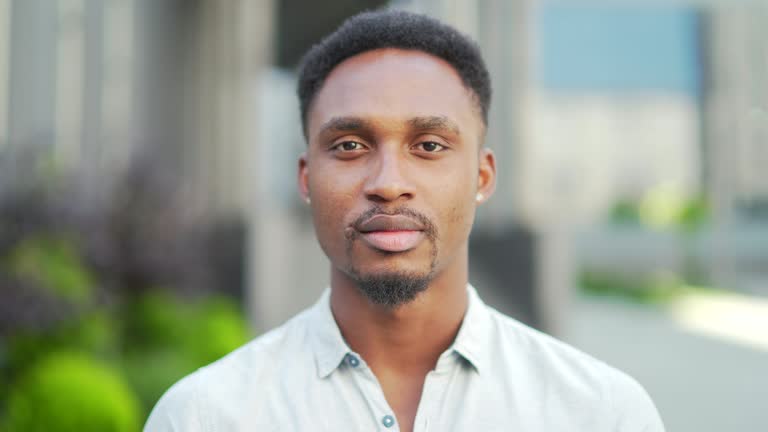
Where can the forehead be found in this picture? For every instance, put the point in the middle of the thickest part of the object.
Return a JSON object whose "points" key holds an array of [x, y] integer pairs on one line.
{"points": [[395, 85]]}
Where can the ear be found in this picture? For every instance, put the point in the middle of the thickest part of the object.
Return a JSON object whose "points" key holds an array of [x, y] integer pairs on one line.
{"points": [[303, 177], [486, 175]]}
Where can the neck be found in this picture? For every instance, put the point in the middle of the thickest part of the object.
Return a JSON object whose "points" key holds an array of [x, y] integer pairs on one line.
{"points": [[406, 339]]}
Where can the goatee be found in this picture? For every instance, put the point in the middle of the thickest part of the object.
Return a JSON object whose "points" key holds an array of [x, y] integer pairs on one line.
{"points": [[392, 290]]}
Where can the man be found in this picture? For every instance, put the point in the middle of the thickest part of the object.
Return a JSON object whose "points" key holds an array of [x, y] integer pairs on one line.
{"points": [[394, 108]]}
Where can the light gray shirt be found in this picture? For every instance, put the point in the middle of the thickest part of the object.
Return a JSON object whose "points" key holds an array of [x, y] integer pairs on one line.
{"points": [[499, 375]]}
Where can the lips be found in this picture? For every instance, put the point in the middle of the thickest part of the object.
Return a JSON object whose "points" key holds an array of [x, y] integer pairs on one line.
{"points": [[391, 233]]}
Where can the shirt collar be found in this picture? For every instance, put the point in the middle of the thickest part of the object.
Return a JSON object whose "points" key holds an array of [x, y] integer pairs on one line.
{"points": [[473, 340], [329, 346], [330, 349]]}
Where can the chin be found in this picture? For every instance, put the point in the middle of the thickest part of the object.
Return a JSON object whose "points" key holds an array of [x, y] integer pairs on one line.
{"points": [[391, 288]]}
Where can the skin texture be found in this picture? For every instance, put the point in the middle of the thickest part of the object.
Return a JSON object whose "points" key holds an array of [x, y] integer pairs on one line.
{"points": [[397, 132]]}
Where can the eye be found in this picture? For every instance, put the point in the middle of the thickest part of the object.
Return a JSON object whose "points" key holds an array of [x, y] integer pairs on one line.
{"points": [[348, 146], [431, 146]]}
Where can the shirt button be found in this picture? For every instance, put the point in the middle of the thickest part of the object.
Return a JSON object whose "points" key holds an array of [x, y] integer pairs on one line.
{"points": [[353, 361], [388, 421]]}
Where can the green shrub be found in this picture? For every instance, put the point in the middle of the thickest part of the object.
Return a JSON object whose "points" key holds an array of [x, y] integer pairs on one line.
{"points": [[662, 209], [70, 391], [54, 263], [218, 329], [152, 372], [204, 329], [168, 338], [157, 320], [77, 275], [94, 332], [624, 212], [650, 288], [694, 215]]}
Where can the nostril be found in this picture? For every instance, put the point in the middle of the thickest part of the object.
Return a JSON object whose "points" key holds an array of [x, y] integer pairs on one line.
{"points": [[388, 193]]}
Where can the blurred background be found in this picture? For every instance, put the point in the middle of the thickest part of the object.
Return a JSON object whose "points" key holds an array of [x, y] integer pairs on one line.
{"points": [[149, 220]]}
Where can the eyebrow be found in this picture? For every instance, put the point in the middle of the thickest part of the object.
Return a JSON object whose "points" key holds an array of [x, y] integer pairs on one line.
{"points": [[353, 124], [434, 122], [344, 124]]}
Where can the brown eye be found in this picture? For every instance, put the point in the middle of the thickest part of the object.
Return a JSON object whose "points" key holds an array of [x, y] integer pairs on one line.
{"points": [[349, 146], [431, 147]]}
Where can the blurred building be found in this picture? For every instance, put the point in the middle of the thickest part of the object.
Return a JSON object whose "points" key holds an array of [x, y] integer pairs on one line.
{"points": [[93, 83], [617, 107], [735, 145], [593, 101], [736, 111]]}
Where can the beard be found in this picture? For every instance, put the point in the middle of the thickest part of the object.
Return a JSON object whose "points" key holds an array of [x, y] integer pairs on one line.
{"points": [[392, 289]]}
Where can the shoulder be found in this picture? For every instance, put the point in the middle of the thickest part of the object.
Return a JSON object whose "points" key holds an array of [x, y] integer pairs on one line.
{"points": [[223, 385], [177, 409], [258, 357], [575, 376], [634, 409], [557, 356]]}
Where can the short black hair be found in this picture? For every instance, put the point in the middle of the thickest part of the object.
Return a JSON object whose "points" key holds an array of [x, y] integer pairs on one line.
{"points": [[390, 28]]}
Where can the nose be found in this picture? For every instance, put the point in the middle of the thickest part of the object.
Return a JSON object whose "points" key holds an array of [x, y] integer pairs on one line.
{"points": [[386, 182]]}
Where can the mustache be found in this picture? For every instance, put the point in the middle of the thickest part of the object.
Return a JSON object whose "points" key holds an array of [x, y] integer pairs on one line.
{"points": [[430, 230]]}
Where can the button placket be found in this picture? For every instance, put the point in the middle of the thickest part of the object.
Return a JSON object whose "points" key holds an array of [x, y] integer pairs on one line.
{"points": [[434, 386], [374, 396]]}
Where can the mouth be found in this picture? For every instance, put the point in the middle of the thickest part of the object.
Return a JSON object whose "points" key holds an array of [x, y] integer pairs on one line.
{"points": [[393, 241], [391, 233]]}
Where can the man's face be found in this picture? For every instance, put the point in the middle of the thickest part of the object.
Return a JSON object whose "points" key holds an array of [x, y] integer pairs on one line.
{"points": [[394, 165]]}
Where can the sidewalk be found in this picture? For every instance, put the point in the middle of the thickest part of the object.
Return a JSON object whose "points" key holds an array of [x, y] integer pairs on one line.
{"points": [[699, 383]]}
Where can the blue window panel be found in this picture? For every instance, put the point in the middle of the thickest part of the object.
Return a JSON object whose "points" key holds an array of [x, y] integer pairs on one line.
{"points": [[602, 47]]}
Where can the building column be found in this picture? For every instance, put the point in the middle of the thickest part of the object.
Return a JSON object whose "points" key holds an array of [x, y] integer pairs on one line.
{"points": [[735, 115], [231, 52], [231, 49], [5, 53], [70, 78]]}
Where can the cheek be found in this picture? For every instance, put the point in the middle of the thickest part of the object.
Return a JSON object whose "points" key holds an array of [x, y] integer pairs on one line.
{"points": [[456, 197], [332, 198], [459, 219], [327, 204]]}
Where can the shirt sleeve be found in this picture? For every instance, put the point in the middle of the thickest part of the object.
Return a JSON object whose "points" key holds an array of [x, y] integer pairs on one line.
{"points": [[178, 409], [634, 409]]}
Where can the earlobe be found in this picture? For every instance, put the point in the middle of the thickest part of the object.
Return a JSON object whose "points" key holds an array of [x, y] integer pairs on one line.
{"points": [[486, 175]]}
